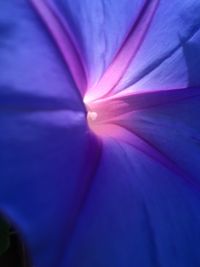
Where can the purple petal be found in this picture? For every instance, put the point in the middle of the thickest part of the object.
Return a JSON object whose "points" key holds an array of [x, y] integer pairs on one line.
{"points": [[100, 28], [64, 40], [168, 120], [138, 213], [47, 155], [143, 207], [30, 64], [165, 59], [128, 49], [47, 161]]}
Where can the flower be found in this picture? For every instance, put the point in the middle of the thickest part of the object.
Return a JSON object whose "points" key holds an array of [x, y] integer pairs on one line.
{"points": [[100, 132]]}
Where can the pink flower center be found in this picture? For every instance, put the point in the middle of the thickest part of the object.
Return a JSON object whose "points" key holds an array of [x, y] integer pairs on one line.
{"points": [[103, 115]]}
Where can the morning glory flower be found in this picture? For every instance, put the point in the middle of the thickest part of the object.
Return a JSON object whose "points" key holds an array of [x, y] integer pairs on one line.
{"points": [[100, 130]]}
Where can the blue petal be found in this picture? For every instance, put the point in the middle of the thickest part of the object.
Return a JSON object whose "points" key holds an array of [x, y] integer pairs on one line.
{"points": [[162, 61], [141, 212], [169, 121], [138, 213], [44, 177], [46, 152], [30, 63], [99, 28]]}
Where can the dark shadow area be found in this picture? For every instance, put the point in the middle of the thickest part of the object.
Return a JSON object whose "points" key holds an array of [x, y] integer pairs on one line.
{"points": [[12, 252], [191, 51]]}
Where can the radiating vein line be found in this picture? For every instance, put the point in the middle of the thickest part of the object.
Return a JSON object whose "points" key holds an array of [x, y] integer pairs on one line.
{"points": [[159, 62], [152, 235], [126, 53], [87, 174], [115, 107], [130, 137], [62, 38]]}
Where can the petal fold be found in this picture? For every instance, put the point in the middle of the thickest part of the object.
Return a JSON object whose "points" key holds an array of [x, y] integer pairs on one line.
{"points": [[165, 60], [138, 213]]}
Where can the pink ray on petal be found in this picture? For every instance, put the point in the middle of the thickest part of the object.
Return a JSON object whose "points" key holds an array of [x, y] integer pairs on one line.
{"points": [[121, 108], [110, 109], [122, 103], [126, 53], [64, 40], [129, 137]]}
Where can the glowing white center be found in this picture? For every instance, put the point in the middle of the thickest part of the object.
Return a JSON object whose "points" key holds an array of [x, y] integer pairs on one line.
{"points": [[92, 115]]}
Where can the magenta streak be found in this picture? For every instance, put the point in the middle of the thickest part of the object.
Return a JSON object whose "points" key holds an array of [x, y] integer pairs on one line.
{"points": [[117, 105], [61, 36], [87, 173], [129, 137], [126, 53]]}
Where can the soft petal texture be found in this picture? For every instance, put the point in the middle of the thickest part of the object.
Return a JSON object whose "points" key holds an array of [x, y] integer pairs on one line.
{"points": [[161, 62], [141, 211], [126, 52], [138, 213], [46, 151], [136, 210], [168, 121], [44, 177], [26, 45], [64, 40], [99, 28]]}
